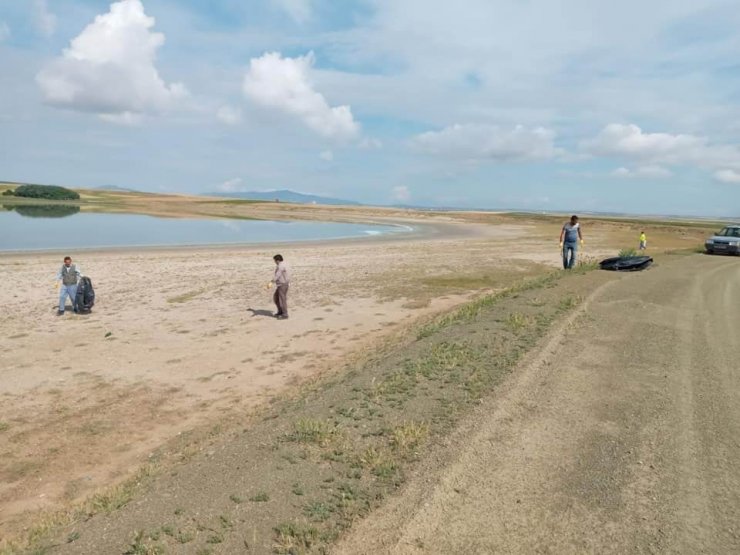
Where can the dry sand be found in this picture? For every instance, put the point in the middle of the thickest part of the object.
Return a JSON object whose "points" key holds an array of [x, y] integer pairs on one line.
{"points": [[180, 338]]}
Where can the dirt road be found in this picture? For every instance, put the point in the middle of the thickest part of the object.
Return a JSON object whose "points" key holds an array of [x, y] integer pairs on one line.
{"points": [[622, 435]]}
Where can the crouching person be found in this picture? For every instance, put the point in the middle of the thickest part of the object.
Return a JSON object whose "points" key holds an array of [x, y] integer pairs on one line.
{"points": [[68, 274]]}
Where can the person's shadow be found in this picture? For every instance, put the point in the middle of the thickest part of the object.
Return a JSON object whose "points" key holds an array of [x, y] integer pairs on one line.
{"points": [[260, 312]]}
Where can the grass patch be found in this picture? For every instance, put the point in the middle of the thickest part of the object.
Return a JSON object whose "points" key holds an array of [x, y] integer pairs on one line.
{"points": [[569, 303], [516, 322], [380, 461], [308, 430], [4, 426], [261, 497], [472, 310], [318, 511], [185, 297], [184, 537], [292, 538], [585, 264], [409, 436], [141, 545], [112, 499]]}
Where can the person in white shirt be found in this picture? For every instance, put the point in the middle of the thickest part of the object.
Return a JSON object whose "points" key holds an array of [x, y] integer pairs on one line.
{"points": [[282, 282], [68, 274]]}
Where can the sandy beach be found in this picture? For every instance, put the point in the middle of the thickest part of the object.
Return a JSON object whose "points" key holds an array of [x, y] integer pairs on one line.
{"points": [[182, 338]]}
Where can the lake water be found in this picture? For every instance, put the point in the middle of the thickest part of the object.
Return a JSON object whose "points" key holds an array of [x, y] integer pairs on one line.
{"points": [[51, 228]]}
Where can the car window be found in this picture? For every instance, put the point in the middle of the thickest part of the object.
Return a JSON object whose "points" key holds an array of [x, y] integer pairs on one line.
{"points": [[733, 231]]}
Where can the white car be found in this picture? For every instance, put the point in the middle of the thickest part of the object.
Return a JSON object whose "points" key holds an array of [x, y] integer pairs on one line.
{"points": [[726, 241]]}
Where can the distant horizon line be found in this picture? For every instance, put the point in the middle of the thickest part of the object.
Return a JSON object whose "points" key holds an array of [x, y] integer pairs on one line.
{"points": [[445, 208]]}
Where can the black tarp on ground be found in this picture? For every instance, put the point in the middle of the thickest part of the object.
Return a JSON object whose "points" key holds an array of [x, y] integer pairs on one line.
{"points": [[626, 263]]}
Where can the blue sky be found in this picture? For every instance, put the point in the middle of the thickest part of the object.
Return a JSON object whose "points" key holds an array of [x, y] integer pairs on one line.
{"points": [[575, 105]]}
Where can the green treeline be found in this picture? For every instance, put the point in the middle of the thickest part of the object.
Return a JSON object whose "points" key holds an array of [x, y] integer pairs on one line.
{"points": [[48, 192]]}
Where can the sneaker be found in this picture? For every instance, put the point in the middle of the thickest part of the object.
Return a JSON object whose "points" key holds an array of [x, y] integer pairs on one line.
{"points": [[60, 313], [282, 317]]}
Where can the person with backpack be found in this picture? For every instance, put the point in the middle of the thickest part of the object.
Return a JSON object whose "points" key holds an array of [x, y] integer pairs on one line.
{"points": [[68, 274], [570, 236]]}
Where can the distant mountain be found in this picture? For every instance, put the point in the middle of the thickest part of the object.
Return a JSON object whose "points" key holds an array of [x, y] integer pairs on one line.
{"points": [[286, 195], [115, 188]]}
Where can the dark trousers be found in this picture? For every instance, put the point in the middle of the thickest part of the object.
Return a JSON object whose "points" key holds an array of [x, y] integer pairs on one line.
{"points": [[280, 299]]}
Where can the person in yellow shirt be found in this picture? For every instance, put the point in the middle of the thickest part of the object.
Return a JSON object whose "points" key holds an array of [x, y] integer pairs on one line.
{"points": [[643, 241]]}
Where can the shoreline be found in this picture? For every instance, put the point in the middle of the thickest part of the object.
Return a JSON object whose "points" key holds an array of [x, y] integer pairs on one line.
{"points": [[181, 337], [417, 231]]}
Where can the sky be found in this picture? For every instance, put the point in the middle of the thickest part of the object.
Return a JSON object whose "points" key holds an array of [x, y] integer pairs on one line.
{"points": [[562, 105]]}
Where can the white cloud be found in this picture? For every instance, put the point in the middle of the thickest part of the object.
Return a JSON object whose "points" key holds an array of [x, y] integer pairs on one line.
{"points": [[44, 20], [489, 142], [630, 140], [370, 144], [109, 67], [650, 172], [655, 149], [124, 118], [299, 10], [727, 176], [284, 84], [231, 185], [401, 193], [229, 115], [4, 31], [327, 155]]}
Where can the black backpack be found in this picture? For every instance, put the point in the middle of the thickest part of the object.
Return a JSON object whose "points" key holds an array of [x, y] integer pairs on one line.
{"points": [[85, 298]]}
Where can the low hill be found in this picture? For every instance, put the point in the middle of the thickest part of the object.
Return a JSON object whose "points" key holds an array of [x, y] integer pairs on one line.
{"points": [[286, 195]]}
